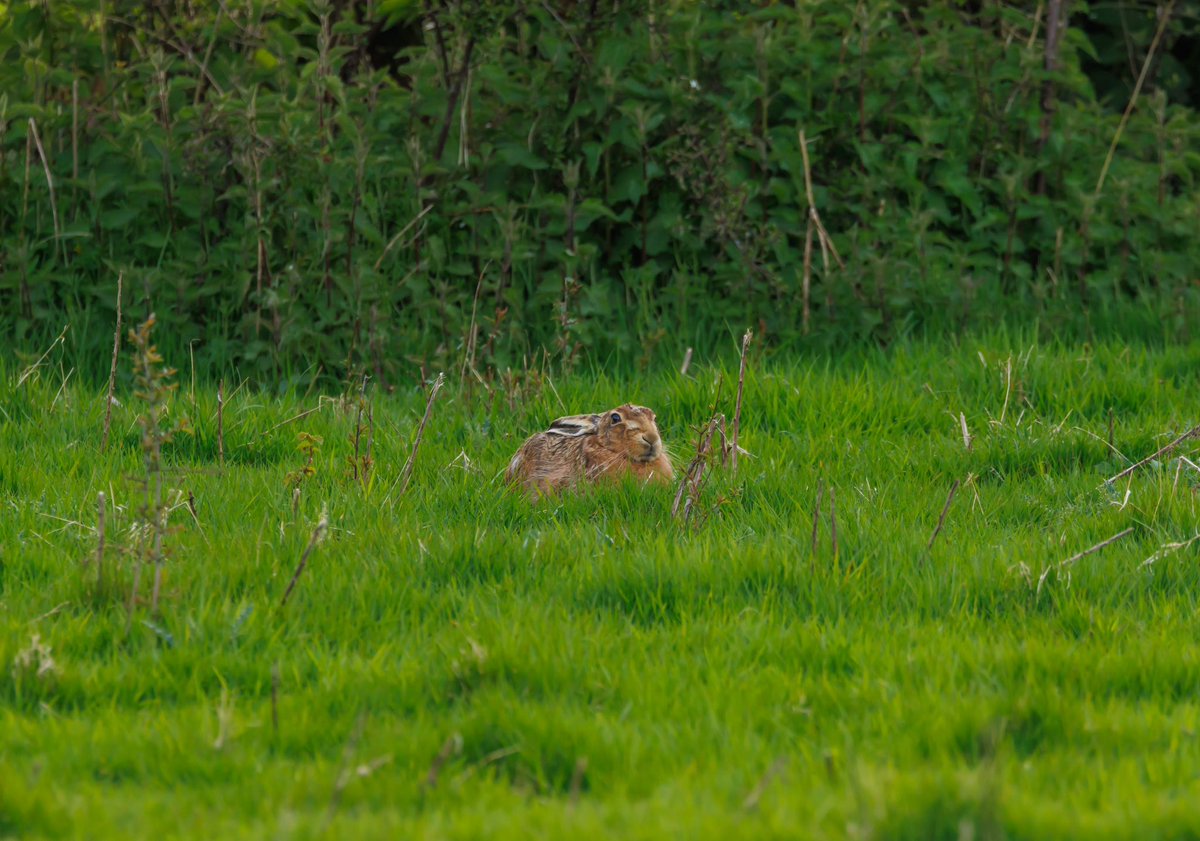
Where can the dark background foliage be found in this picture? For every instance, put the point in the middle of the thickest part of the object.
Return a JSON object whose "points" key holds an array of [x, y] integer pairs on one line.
{"points": [[396, 186]]}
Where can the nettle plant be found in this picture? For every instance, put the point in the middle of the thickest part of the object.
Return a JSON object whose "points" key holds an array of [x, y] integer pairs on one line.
{"points": [[397, 187]]}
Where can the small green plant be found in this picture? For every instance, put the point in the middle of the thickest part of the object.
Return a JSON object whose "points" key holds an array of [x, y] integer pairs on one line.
{"points": [[154, 388], [310, 445]]}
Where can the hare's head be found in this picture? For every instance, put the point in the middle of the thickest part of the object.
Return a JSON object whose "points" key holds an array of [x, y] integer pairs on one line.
{"points": [[631, 430]]}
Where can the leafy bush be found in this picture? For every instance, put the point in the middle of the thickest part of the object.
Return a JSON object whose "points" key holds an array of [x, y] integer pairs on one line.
{"points": [[396, 184]]}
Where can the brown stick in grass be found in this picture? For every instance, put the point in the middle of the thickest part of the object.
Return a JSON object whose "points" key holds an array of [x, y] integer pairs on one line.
{"points": [[817, 513], [753, 798], [449, 747], [275, 700], [577, 775], [945, 510], [1069, 562], [833, 522], [406, 475], [100, 542], [317, 534], [690, 482], [1195, 430], [221, 422], [112, 372], [737, 408]]}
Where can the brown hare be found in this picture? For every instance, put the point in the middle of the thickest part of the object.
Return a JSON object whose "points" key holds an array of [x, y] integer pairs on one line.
{"points": [[589, 448]]}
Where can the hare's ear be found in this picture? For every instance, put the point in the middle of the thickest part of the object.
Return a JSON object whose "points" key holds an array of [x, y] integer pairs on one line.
{"points": [[574, 426]]}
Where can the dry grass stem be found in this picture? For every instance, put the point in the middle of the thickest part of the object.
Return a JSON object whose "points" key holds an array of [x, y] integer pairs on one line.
{"points": [[737, 408], [392, 242], [1163, 19], [577, 775], [318, 533], [945, 510], [406, 475], [817, 513], [99, 541], [221, 422], [275, 700], [450, 747], [752, 799], [37, 139], [1195, 430], [691, 482], [295, 418], [33, 369], [687, 362], [833, 522], [1062, 566], [346, 772]]}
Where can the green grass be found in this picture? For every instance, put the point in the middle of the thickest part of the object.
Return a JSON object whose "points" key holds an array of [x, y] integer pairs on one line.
{"points": [[907, 693]]}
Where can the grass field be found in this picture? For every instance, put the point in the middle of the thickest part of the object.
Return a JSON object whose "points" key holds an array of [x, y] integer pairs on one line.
{"points": [[456, 662]]}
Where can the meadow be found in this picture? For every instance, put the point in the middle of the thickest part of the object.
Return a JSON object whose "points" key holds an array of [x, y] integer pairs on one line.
{"points": [[455, 661]]}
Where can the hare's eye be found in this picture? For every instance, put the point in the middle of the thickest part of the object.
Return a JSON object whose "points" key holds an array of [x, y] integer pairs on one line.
{"points": [[615, 418]]}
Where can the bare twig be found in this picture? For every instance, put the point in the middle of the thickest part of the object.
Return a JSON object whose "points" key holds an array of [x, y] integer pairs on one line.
{"points": [[406, 475], [317, 534], [737, 409], [945, 510], [1195, 430], [817, 513]]}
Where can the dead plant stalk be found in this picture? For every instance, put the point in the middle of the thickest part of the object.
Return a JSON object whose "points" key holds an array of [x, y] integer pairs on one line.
{"points": [[406, 475], [737, 410], [112, 371]]}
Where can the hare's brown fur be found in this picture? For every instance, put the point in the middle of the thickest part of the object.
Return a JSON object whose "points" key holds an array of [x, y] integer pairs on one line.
{"points": [[589, 448]]}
